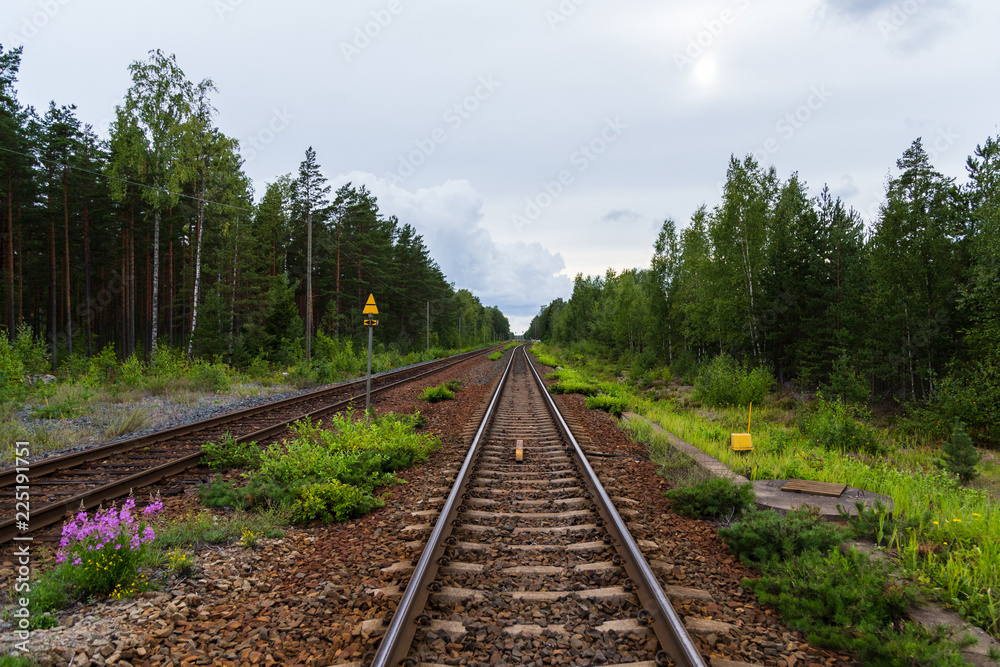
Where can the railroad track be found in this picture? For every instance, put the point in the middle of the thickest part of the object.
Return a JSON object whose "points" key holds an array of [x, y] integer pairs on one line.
{"points": [[92, 476], [528, 562]]}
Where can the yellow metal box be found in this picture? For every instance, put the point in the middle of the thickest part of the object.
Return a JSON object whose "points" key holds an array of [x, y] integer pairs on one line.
{"points": [[741, 442]]}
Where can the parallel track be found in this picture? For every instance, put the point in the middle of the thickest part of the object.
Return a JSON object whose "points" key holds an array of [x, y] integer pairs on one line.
{"points": [[95, 475], [530, 562]]}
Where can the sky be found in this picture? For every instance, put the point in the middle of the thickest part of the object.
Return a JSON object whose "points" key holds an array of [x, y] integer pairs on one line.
{"points": [[531, 140]]}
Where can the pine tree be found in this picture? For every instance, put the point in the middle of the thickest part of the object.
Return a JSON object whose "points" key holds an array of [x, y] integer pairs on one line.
{"points": [[960, 456], [311, 192]]}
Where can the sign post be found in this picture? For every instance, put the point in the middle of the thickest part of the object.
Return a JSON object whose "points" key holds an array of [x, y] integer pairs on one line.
{"points": [[370, 309]]}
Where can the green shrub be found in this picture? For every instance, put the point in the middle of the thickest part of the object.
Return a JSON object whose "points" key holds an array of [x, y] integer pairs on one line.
{"points": [[229, 452], [132, 372], [762, 536], [210, 377], [960, 456], [496, 355], [436, 394], [837, 599], [257, 494], [11, 372], [725, 382], [877, 524], [104, 368], [612, 404], [33, 351], [331, 500], [834, 426], [845, 384], [544, 359], [713, 499]]}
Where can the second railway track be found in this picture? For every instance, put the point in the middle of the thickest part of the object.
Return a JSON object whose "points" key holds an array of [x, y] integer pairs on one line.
{"points": [[105, 472], [529, 562]]}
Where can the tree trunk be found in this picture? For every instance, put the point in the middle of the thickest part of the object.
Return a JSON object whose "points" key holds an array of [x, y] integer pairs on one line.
{"points": [[69, 310], [154, 298], [86, 273], [197, 266], [20, 272], [170, 284], [53, 301], [309, 284], [131, 282], [10, 256], [336, 293]]}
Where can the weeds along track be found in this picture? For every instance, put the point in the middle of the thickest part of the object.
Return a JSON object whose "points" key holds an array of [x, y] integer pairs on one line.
{"points": [[528, 562], [90, 477]]}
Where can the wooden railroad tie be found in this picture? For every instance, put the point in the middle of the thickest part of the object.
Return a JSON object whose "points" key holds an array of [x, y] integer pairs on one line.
{"points": [[815, 488], [519, 452]]}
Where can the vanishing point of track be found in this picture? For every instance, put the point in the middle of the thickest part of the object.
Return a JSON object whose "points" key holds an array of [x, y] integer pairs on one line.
{"points": [[529, 562], [92, 476]]}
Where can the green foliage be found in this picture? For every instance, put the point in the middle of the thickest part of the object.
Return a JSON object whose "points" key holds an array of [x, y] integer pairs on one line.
{"points": [[257, 494], [229, 452], [877, 524], [206, 528], [436, 394], [104, 368], [613, 404], [11, 372], [834, 426], [845, 384], [32, 350], [725, 382], [496, 355], [213, 377], [763, 536], [51, 591], [960, 456], [544, 359], [847, 601], [131, 372], [331, 500], [62, 402], [713, 499]]}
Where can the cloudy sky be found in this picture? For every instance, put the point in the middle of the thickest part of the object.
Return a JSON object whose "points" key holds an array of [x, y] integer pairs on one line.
{"points": [[530, 140]]}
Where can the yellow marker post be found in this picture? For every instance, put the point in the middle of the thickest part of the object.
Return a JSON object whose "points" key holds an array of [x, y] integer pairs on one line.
{"points": [[741, 442], [369, 309], [519, 451]]}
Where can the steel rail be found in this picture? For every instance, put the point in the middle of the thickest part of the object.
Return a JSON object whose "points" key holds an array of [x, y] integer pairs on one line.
{"points": [[52, 464], [667, 626], [53, 512], [398, 636]]}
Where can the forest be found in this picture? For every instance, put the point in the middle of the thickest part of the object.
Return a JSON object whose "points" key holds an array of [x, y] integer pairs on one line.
{"points": [[155, 237], [903, 311]]}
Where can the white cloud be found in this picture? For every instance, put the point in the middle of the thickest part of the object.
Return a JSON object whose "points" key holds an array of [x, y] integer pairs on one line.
{"points": [[517, 277]]}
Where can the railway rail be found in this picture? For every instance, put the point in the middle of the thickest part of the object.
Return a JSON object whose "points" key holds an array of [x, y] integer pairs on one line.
{"points": [[532, 549], [102, 473]]}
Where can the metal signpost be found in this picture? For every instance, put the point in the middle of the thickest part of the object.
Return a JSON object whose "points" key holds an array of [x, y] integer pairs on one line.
{"points": [[370, 309]]}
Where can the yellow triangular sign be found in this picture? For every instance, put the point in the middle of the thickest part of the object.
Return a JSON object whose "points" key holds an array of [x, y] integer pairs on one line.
{"points": [[370, 307]]}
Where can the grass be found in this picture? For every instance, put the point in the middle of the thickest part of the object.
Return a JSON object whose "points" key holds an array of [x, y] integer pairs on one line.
{"points": [[125, 419], [443, 392], [496, 355], [205, 528]]}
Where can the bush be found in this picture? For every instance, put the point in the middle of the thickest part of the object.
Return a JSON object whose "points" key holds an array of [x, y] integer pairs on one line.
{"points": [[612, 404], [843, 601], [210, 377], [713, 499], [726, 382], [960, 456], [845, 384], [331, 500], [33, 351], [436, 394], [496, 355], [763, 536], [257, 494], [229, 452], [834, 427], [11, 372]]}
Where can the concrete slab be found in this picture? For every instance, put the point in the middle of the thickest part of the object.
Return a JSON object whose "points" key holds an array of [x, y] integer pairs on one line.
{"points": [[770, 496]]}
